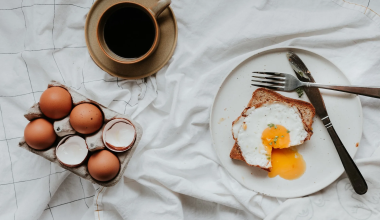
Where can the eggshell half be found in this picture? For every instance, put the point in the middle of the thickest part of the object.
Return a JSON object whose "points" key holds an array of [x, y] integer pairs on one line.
{"points": [[119, 135], [72, 151]]}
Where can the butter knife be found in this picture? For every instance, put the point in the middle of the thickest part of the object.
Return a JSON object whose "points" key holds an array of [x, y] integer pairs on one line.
{"points": [[315, 97]]}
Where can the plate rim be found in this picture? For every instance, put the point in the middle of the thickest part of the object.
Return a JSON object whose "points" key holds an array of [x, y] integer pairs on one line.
{"points": [[254, 53]]}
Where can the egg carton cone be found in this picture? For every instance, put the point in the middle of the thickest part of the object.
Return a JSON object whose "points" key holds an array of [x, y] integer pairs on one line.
{"points": [[94, 141]]}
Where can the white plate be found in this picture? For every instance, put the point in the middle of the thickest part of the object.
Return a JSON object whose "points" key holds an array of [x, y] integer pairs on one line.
{"points": [[322, 160]]}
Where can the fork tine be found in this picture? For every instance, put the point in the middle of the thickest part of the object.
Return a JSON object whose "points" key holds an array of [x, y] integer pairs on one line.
{"points": [[274, 78], [270, 73], [270, 82], [269, 87]]}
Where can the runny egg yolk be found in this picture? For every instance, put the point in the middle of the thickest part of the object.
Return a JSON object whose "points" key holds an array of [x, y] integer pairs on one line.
{"points": [[287, 163], [276, 136]]}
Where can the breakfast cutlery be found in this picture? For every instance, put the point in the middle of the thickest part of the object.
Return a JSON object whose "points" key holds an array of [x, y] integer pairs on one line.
{"points": [[287, 82], [357, 181]]}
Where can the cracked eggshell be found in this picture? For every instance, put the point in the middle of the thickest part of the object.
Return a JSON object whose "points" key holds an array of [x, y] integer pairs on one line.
{"points": [[82, 171], [95, 141], [119, 135], [63, 127], [72, 151]]}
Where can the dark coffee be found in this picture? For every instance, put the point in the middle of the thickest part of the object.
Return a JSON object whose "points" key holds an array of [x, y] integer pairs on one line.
{"points": [[129, 32]]}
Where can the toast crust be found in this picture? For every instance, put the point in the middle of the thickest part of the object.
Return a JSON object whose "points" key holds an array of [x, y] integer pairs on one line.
{"points": [[263, 96]]}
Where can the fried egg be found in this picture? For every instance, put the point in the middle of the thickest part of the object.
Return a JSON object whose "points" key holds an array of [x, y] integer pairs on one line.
{"points": [[274, 125]]}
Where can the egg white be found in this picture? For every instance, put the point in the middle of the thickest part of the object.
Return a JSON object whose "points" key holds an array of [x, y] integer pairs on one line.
{"points": [[257, 120]]}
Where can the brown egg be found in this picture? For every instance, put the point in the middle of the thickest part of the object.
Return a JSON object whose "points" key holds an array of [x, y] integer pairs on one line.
{"points": [[86, 118], [103, 165], [56, 103], [39, 134]]}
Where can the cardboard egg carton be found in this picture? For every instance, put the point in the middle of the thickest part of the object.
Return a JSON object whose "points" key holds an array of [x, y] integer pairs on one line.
{"points": [[94, 141]]}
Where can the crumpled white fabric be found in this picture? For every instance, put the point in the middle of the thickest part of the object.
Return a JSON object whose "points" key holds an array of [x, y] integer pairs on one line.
{"points": [[338, 200], [174, 173]]}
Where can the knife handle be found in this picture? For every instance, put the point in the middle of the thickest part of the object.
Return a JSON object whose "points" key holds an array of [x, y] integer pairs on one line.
{"points": [[373, 92], [357, 181]]}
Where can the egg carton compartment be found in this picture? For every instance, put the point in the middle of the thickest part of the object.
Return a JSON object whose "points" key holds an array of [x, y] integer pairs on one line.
{"points": [[94, 141]]}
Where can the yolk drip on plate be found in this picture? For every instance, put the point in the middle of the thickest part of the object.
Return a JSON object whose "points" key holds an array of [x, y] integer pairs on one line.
{"points": [[287, 163], [276, 136]]}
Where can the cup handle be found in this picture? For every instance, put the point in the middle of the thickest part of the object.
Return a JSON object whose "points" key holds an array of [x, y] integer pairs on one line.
{"points": [[159, 7]]}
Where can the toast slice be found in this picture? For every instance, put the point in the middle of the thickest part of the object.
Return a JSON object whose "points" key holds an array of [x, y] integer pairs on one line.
{"points": [[263, 96]]}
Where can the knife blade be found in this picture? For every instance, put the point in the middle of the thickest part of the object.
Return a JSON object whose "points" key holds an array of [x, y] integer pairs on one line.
{"points": [[302, 72]]}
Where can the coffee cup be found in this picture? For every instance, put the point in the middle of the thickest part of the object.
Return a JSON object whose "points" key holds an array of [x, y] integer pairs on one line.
{"points": [[128, 32]]}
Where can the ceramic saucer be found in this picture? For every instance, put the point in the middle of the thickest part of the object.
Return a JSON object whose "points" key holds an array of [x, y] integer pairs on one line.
{"points": [[147, 67]]}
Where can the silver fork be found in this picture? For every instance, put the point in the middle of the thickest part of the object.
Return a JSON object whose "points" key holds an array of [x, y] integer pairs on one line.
{"points": [[287, 82]]}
